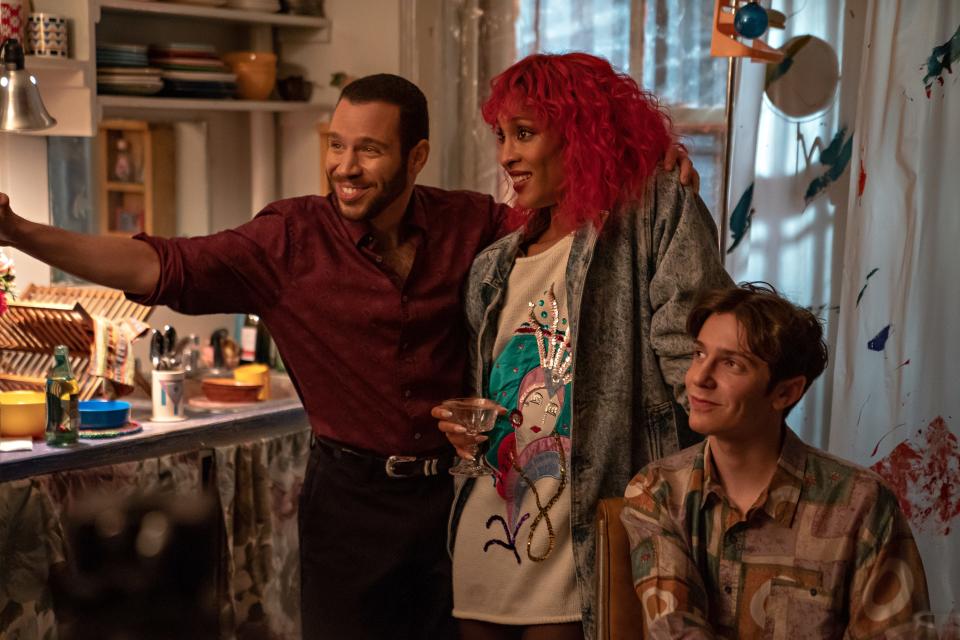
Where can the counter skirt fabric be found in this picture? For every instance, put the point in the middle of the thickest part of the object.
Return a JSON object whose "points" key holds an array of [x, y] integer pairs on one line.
{"points": [[258, 485]]}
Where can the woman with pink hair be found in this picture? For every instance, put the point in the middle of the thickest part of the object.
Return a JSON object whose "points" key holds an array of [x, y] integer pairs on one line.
{"points": [[577, 329]]}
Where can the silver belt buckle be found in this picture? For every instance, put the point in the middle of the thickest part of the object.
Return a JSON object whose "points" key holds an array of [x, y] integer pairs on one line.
{"points": [[392, 460]]}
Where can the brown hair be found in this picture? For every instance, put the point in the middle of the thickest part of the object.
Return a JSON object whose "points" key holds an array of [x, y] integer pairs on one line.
{"points": [[787, 337]]}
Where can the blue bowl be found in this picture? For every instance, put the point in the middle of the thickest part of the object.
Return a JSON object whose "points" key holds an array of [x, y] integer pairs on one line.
{"points": [[103, 414]]}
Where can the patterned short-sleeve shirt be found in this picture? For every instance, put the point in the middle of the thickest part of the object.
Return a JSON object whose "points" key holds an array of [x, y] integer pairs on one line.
{"points": [[824, 552]]}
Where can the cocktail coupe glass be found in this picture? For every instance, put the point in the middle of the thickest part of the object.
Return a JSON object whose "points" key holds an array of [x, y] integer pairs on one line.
{"points": [[477, 415], [928, 625]]}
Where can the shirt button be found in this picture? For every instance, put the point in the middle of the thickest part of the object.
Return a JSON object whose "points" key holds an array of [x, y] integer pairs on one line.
{"points": [[727, 589], [405, 346], [406, 394], [416, 436], [813, 592], [379, 259], [405, 299]]}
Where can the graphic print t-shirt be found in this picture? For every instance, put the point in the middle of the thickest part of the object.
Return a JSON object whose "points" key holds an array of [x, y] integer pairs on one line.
{"points": [[513, 558]]}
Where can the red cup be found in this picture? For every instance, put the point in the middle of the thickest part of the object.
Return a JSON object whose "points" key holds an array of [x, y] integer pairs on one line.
{"points": [[13, 20]]}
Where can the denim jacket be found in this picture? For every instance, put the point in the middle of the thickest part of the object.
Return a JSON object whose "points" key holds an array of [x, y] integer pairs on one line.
{"points": [[630, 285]]}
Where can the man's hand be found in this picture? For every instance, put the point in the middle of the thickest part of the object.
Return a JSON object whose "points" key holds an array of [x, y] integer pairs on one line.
{"points": [[7, 219], [688, 175]]}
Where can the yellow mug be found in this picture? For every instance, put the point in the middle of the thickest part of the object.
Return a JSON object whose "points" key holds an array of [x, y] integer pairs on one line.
{"points": [[255, 374]]}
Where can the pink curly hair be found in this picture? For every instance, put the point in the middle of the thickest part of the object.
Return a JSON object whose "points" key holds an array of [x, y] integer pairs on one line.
{"points": [[614, 133]]}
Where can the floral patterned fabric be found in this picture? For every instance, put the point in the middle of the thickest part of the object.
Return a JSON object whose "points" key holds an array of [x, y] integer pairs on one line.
{"points": [[258, 484]]}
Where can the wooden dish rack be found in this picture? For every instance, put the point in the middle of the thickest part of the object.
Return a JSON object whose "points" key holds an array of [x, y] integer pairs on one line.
{"points": [[45, 316]]}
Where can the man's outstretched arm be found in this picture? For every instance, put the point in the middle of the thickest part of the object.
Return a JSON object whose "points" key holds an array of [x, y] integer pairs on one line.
{"points": [[112, 261]]}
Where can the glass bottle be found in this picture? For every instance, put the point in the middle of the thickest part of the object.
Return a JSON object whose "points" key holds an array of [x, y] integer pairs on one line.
{"points": [[254, 341], [63, 414]]}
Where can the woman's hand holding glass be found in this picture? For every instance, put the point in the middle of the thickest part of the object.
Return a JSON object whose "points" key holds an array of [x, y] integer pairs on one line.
{"points": [[463, 421]]}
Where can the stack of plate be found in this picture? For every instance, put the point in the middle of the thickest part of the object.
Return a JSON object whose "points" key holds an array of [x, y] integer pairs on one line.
{"points": [[193, 70], [266, 6], [133, 81], [121, 55]]}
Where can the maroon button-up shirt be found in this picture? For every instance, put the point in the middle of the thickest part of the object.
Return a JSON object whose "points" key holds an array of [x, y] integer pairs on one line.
{"points": [[369, 355]]}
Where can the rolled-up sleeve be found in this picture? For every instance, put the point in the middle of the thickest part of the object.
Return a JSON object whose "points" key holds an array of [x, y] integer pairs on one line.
{"points": [[235, 271]]}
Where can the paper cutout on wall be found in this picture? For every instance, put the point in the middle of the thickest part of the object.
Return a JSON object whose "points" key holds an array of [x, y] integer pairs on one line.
{"points": [[926, 477], [865, 283], [941, 58], [835, 157], [741, 217], [879, 341]]}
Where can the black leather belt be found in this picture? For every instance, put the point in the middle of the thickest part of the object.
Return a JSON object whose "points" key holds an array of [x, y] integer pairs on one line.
{"points": [[391, 466]]}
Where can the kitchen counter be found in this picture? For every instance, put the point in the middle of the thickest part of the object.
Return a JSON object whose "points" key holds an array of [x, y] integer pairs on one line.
{"points": [[203, 429]]}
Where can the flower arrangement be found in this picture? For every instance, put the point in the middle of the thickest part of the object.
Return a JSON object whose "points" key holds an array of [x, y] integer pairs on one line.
{"points": [[8, 285]]}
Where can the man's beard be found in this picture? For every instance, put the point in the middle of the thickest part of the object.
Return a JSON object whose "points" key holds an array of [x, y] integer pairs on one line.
{"points": [[391, 190]]}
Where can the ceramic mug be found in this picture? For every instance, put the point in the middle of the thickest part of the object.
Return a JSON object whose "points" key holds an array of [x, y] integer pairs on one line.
{"points": [[13, 16], [168, 396]]}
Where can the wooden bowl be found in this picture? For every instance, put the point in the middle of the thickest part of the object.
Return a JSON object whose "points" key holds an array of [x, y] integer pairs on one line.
{"points": [[229, 390], [23, 414]]}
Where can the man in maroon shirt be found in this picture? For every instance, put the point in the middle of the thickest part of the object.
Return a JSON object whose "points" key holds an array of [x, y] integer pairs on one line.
{"points": [[361, 292]]}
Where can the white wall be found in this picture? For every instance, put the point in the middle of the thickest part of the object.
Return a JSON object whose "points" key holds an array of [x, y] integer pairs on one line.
{"points": [[364, 39], [23, 177]]}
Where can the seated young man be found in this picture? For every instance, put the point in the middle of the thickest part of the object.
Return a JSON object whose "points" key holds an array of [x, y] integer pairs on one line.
{"points": [[752, 533]]}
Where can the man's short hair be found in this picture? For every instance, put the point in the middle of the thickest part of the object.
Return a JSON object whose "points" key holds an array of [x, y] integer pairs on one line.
{"points": [[787, 337], [386, 87]]}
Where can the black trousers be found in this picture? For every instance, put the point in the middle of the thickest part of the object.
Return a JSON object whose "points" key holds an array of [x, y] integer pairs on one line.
{"points": [[373, 560]]}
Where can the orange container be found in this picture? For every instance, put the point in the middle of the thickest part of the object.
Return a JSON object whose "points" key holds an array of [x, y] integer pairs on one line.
{"points": [[256, 73], [23, 414]]}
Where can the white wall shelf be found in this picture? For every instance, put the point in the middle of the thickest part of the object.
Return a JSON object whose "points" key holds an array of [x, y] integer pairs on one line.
{"points": [[173, 9], [54, 64], [196, 104]]}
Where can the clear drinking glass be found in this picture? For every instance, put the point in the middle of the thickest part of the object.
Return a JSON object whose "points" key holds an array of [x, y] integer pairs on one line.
{"points": [[929, 625], [477, 415]]}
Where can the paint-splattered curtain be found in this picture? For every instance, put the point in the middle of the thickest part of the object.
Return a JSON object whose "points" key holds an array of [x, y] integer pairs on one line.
{"points": [[853, 209], [789, 173], [896, 402]]}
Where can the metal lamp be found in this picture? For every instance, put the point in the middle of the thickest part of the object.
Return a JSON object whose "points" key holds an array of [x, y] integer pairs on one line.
{"points": [[21, 108]]}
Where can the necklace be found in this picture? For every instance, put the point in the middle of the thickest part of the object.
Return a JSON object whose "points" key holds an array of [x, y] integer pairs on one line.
{"points": [[543, 513]]}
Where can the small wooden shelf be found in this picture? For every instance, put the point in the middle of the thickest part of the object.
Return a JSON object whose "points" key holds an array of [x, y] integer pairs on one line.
{"points": [[172, 9], [196, 104], [126, 187], [141, 196]]}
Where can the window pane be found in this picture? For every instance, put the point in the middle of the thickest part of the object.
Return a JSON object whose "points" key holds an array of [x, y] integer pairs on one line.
{"points": [[676, 54], [706, 153], [600, 27]]}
